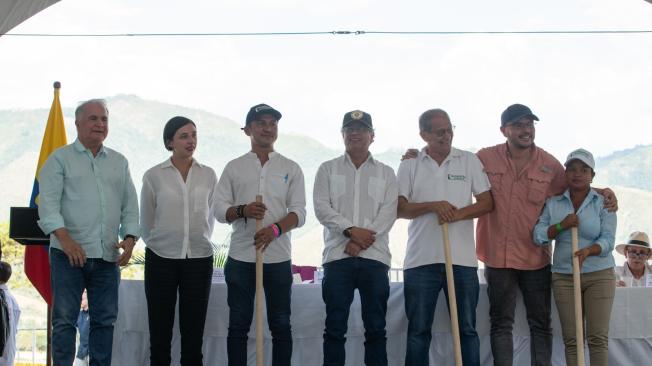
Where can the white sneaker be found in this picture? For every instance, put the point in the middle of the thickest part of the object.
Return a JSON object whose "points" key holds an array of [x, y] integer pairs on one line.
{"points": [[80, 362]]}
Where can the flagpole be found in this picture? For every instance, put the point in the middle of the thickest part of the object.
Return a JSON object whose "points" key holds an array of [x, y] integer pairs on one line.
{"points": [[48, 352]]}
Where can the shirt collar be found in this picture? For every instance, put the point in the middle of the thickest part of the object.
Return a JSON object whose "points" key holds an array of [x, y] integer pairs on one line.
{"points": [[589, 197], [3, 286], [79, 147], [271, 155], [168, 163], [370, 159], [454, 153]]}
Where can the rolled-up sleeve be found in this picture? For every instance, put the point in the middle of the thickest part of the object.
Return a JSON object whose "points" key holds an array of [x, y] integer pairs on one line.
{"points": [[324, 211], [296, 200], [50, 181], [224, 198], [540, 232], [607, 236], [129, 224]]}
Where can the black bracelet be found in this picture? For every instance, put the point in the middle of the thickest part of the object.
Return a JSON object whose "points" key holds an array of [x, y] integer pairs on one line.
{"points": [[280, 231], [239, 211]]}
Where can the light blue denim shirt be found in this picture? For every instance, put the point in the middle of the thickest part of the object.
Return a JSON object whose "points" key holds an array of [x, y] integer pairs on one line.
{"points": [[597, 226], [92, 197]]}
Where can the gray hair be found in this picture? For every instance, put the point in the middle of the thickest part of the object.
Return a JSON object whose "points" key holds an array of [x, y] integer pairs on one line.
{"points": [[82, 105], [427, 116]]}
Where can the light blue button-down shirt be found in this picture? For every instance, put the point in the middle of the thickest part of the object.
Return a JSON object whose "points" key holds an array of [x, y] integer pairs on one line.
{"points": [[597, 226], [92, 197]]}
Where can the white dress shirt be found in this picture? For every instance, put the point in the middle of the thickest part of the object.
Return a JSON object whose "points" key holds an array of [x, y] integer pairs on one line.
{"points": [[460, 175], [177, 217], [622, 272], [280, 182], [7, 357], [365, 197]]}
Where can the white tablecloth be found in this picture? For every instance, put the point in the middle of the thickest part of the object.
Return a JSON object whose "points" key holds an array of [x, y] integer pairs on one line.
{"points": [[630, 340]]}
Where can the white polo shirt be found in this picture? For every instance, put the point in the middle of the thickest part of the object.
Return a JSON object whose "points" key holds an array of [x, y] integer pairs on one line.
{"points": [[280, 182], [365, 197], [460, 176]]}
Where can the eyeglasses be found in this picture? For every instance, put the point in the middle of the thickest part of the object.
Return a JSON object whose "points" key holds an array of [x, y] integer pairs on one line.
{"points": [[442, 131], [637, 254], [522, 125]]}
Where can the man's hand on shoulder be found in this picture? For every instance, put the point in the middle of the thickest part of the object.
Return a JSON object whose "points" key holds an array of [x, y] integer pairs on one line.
{"points": [[127, 246], [410, 154], [610, 200]]}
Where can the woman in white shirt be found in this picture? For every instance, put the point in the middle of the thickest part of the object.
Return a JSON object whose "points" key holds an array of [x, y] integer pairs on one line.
{"points": [[176, 218], [637, 251]]}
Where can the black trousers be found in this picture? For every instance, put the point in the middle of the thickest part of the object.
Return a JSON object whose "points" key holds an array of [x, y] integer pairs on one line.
{"points": [[191, 277]]}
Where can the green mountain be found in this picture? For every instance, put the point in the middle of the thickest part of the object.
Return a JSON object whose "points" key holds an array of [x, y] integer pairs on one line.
{"points": [[136, 129], [628, 168]]}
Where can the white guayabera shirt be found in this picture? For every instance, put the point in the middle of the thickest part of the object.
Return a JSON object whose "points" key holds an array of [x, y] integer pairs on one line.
{"points": [[365, 197]]}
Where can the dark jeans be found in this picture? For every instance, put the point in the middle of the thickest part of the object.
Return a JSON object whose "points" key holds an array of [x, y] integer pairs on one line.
{"points": [[341, 278], [83, 326], [101, 280], [191, 277], [535, 287], [421, 288], [241, 285]]}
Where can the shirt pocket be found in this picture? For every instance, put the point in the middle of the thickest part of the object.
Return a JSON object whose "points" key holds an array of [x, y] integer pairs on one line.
{"points": [[538, 189], [200, 200], [278, 185], [376, 189], [337, 184], [73, 186], [496, 180]]}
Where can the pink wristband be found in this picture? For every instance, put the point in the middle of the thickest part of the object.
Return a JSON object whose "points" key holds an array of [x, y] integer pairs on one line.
{"points": [[275, 229]]}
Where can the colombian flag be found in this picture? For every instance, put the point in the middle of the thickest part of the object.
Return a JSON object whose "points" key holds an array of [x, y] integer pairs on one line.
{"points": [[37, 264]]}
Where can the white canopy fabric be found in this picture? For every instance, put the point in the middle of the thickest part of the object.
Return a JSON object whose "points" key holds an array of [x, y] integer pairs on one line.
{"points": [[14, 12]]}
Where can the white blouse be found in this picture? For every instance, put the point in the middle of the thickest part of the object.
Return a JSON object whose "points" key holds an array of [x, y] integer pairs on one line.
{"points": [[176, 217]]}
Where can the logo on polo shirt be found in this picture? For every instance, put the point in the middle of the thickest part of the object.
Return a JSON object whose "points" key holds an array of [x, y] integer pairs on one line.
{"points": [[457, 177]]}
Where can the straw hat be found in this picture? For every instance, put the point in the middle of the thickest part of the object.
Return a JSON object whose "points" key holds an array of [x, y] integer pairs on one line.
{"points": [[636, 239]]}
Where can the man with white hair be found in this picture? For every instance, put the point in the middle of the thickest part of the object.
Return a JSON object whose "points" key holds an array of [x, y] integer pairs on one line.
{"points": [[87, 201], [635, 271]]}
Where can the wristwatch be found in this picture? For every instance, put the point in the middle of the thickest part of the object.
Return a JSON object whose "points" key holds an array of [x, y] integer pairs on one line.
{"points": [[347, 232]]}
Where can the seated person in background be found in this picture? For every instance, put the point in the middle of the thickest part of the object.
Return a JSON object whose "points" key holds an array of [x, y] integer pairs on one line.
{"points": [[637, 251]]}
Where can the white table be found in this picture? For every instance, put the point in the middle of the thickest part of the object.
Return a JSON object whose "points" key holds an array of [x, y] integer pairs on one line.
{"points": [[630, 332]]}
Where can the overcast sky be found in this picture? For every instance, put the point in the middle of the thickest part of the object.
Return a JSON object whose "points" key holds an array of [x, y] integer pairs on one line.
{"points": [[590, 91]]}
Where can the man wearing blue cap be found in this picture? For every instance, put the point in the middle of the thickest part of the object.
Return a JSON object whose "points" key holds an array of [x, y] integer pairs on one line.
{"points": [[279, 180], [522, 177], [355, 198]]}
